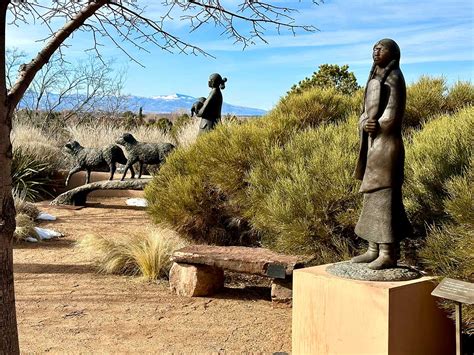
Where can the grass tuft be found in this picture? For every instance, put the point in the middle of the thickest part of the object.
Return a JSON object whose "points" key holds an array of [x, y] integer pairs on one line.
{"points": [[25, 207], [24, 227], [145, 253]]}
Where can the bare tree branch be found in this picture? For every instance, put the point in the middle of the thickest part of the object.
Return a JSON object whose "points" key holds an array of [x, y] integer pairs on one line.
{"points": [[29, 71]]}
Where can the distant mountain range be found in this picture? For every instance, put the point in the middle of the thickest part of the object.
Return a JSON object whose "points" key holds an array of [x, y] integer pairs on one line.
{"points": [[157, 104]]}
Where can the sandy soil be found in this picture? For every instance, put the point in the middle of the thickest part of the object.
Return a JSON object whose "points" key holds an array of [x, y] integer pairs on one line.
{"points": [[64, 306]]}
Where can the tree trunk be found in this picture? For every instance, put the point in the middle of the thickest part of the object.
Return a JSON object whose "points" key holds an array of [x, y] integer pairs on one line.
{"points": [[8, 327]]}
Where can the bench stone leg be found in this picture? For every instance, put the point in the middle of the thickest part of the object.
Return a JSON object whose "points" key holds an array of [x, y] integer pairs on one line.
{"points": [[195, 280], [282, 290]]}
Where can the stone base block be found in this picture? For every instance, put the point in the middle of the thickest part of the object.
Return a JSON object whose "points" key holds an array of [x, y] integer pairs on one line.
{"points": [[333, 315], [195, 280], [281, 291]]}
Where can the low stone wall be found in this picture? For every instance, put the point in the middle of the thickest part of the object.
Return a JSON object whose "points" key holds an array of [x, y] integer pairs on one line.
{"points": [[79, 179]]}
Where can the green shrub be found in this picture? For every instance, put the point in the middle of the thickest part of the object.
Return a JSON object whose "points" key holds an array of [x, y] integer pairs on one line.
{"points": [[286, 180], [313, 107], [303, 196], [460, 202], [329, 75], [437, 153], [202, 190], [460, 95], [425, 99], [164, 125], [197, 189], [448, 251]]}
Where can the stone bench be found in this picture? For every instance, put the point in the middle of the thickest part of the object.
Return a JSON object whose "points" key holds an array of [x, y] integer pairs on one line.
{"points": [[198, 270]]}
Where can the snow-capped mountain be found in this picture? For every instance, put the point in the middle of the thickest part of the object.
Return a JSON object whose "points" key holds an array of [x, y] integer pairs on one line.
{"points": [[156, 104]]}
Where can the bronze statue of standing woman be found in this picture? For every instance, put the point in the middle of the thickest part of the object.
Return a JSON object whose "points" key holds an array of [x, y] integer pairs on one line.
{"points": [[210, 112], [383, 221]]}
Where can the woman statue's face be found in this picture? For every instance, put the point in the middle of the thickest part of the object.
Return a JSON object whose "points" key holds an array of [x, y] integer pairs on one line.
{"points": [[381, 55], [213, 82]]}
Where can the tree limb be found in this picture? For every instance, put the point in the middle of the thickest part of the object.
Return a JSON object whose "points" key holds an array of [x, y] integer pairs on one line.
{"points": [[29, 71]]}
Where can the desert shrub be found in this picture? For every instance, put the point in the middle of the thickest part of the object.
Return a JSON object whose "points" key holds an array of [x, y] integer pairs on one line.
{"points": [[202, 190], [197, 189], [285, 180], [314, 106], [31, 174], [461, 94], [425, 99], [303, 196], [448, 248], [144, 253], [460, 202], [24, 227], [437, 153], [164, 125]]}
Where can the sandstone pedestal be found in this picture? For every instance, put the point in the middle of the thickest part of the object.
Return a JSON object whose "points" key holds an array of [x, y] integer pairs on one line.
{"points": [[333, 315], [195, 280]]}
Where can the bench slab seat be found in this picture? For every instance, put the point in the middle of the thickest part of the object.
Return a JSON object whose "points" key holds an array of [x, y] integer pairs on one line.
{"points": [[198, 269]]}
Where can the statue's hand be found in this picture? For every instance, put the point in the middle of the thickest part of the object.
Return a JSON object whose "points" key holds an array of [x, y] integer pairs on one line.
{"points": [[371, 126]]}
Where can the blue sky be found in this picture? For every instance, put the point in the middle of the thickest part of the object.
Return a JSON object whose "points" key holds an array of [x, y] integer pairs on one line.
{"points": [[436, 38]]}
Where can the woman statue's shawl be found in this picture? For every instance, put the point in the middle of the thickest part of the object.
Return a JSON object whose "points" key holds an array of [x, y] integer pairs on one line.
{"points": [[381, 157]]}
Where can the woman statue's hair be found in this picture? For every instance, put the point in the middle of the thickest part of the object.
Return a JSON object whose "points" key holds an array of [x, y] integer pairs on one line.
{"points": [[216, 78]]}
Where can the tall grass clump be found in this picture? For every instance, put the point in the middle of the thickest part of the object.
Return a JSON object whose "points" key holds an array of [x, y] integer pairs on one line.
{"points": [[25, 227], [437, 153], [97, 136], [425, 99], [143, 253], [40, 146], [449, 247], [25, 207], [186, 134]]}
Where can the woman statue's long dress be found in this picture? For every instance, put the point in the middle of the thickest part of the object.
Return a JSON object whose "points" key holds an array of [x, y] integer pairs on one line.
{"points": [[210, 111], [383, 221]]}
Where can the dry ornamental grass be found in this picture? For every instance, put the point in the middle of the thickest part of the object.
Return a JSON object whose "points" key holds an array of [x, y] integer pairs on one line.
{"points": [[145, 253]]}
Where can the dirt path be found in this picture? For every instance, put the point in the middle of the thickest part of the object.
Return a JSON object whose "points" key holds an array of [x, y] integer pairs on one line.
{"points": [[64, 306]]}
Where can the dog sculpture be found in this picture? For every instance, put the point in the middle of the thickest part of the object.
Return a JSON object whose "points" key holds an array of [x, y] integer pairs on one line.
{"points": [[94, 159], [143, 153]]}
